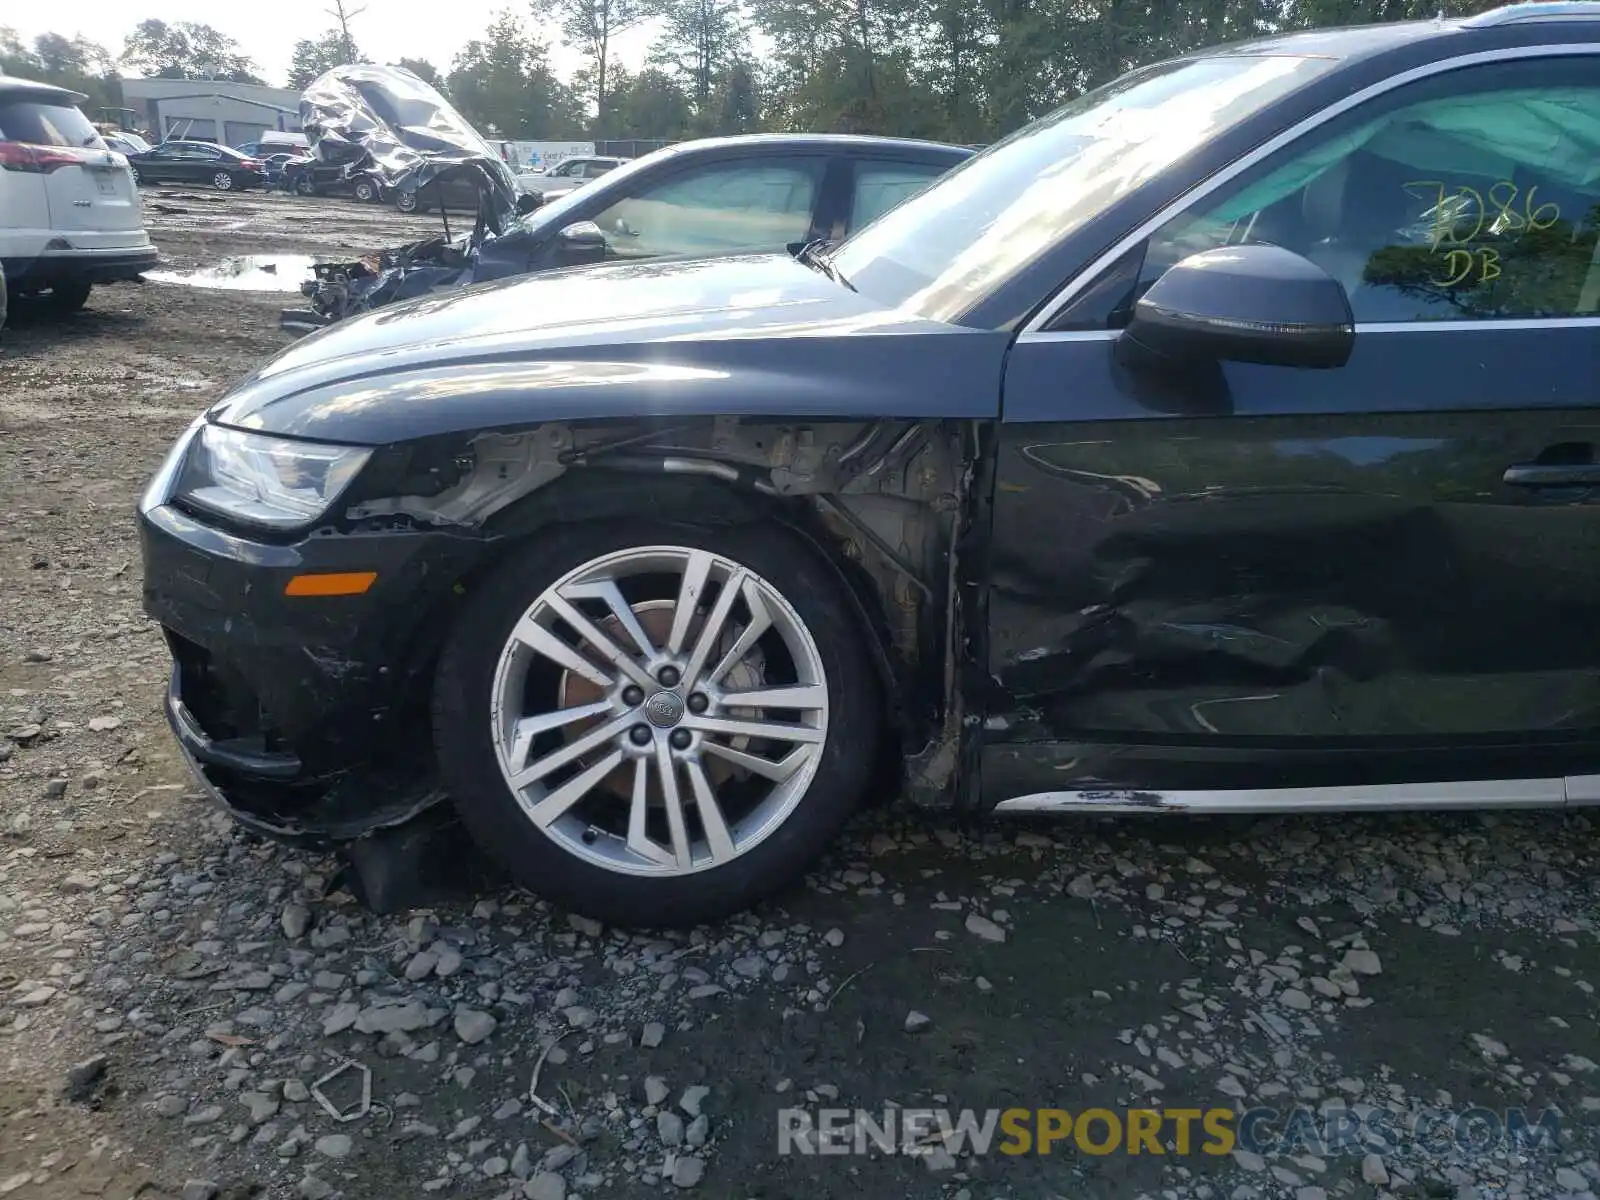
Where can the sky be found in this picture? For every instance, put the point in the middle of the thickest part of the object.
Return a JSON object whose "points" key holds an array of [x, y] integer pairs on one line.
{"points": [[267, 31]]}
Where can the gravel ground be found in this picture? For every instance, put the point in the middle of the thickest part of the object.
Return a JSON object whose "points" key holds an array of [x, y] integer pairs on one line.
{"points": [[171, 992]]}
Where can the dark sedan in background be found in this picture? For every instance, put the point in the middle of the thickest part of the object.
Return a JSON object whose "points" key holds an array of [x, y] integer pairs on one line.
{"points": [[454, 193], [220, 167]]}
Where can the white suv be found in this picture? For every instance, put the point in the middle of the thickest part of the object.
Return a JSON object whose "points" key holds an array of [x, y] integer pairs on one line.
{"points": [[569, 175], [69, 210]]}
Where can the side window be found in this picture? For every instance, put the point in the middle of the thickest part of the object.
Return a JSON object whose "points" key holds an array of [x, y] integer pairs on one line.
{"points": [[732, 207], [879, 186], [1471, 196], [568, 169]]}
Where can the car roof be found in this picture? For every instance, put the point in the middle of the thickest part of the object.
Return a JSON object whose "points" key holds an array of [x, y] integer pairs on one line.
{"points": [[845, 142], [12, 88], [1353, 42]]}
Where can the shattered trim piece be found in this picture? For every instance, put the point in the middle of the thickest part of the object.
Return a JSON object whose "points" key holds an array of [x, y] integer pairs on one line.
{"points": [[364, 1104]]}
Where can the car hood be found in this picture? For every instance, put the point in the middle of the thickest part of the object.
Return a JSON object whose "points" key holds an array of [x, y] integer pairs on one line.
{"points": [[749, 335]]}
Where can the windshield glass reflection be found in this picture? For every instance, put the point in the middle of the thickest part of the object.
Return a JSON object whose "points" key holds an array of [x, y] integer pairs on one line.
{"points": [[944, 249]]}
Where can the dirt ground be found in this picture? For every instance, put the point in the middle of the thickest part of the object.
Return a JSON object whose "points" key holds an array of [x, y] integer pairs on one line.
{"points": [[171, 990]]}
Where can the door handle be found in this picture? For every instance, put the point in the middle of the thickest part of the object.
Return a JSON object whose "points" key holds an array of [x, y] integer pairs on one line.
{"points": [[1553, 475]]}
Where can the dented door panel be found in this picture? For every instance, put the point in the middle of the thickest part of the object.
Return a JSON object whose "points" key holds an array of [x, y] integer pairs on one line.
{"points": [[1298, 584]]}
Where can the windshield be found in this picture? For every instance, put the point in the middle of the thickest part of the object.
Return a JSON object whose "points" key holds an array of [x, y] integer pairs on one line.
{"points": [[942, 250]]}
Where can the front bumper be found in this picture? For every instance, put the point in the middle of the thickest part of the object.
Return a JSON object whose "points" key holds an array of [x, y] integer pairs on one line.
{"points": [[305, 717], [261, 794]]}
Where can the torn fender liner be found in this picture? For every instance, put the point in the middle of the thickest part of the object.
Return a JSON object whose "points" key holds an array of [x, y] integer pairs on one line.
{"points": [[400, 842], [409, 133], [427, 861]]}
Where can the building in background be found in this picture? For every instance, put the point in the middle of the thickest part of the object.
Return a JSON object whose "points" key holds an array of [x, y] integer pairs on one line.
{"points": [[211, 110]]}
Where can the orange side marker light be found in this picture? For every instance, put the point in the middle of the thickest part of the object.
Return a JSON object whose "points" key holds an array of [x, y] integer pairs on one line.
{"points": [[340, 583]]}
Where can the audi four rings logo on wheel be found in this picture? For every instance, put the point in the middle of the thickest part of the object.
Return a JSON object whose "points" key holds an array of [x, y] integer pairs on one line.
{"points": [[664, 709]]}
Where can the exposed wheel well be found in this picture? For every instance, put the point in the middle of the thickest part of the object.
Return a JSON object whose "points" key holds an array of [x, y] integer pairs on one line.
{"points": [[599, 495], [881, 502]]}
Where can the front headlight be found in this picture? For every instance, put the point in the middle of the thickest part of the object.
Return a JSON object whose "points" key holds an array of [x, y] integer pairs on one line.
{"points": [[265, 480]]}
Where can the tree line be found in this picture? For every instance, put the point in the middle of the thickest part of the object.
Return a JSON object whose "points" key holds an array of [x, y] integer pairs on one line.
{"points": [[965, 71]]}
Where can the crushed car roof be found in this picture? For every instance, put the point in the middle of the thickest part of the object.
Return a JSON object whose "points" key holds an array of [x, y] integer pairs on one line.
{"points": [[408, 133]]}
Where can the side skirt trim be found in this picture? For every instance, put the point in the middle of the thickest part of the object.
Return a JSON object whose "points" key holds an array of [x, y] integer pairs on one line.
{"points": [[1574, 790]]}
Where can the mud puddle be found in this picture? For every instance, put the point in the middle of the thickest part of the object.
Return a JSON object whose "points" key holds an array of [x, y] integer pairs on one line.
{"points": [[246, 273]]}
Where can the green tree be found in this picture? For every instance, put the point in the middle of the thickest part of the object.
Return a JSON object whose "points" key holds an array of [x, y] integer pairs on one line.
{"points": [[15, 58], [503, 84], [700, 40], [591, 27], [75, 63], [650, 104], [315, 57], [738, 100], [186, 50], [423, 70]]}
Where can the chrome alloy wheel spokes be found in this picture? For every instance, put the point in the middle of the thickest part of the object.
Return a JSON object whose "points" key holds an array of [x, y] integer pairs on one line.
{"points": [[660, 710]]}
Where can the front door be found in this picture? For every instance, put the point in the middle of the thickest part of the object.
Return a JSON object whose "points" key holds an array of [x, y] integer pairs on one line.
{"points": [[193, 163], [1384, 572], [757, 203]]}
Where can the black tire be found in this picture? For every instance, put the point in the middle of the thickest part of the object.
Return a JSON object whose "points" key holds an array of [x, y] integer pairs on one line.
{"points": [[64, 299], [305, 187], [2, 298], [408, 202], [470, 768], [223, 181], [365, 192]]}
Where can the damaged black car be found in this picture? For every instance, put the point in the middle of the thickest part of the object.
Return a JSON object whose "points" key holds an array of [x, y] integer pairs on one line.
{"points": [[1221, 442], [714, 196]]}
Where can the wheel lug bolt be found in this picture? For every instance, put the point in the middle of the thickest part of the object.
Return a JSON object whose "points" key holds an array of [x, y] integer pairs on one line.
{"points": [[633, 696], [668, 676], [698, 703], [639, 735], [681, 739]]}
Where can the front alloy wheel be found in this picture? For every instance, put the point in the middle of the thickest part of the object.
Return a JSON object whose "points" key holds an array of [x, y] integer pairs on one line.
{"points": [[222, 181], [672, 729]]}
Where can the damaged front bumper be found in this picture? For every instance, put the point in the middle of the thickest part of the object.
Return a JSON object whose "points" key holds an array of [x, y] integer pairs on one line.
{"points": [[302, 717], [261, 790]]}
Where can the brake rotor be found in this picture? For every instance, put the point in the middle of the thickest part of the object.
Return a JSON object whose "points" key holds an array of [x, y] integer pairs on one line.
{"points": [[655, 618]]}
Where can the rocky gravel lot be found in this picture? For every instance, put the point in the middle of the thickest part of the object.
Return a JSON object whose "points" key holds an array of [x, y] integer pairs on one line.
{"points": [[188, 1012]]}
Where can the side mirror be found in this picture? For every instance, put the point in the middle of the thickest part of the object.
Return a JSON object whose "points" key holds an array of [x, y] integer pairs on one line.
{"points": [[583, 236], [579, 244], [1252, 304]]}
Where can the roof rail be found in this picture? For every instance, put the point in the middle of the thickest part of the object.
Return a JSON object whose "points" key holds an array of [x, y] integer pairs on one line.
{"points": [[1535, 10]]}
